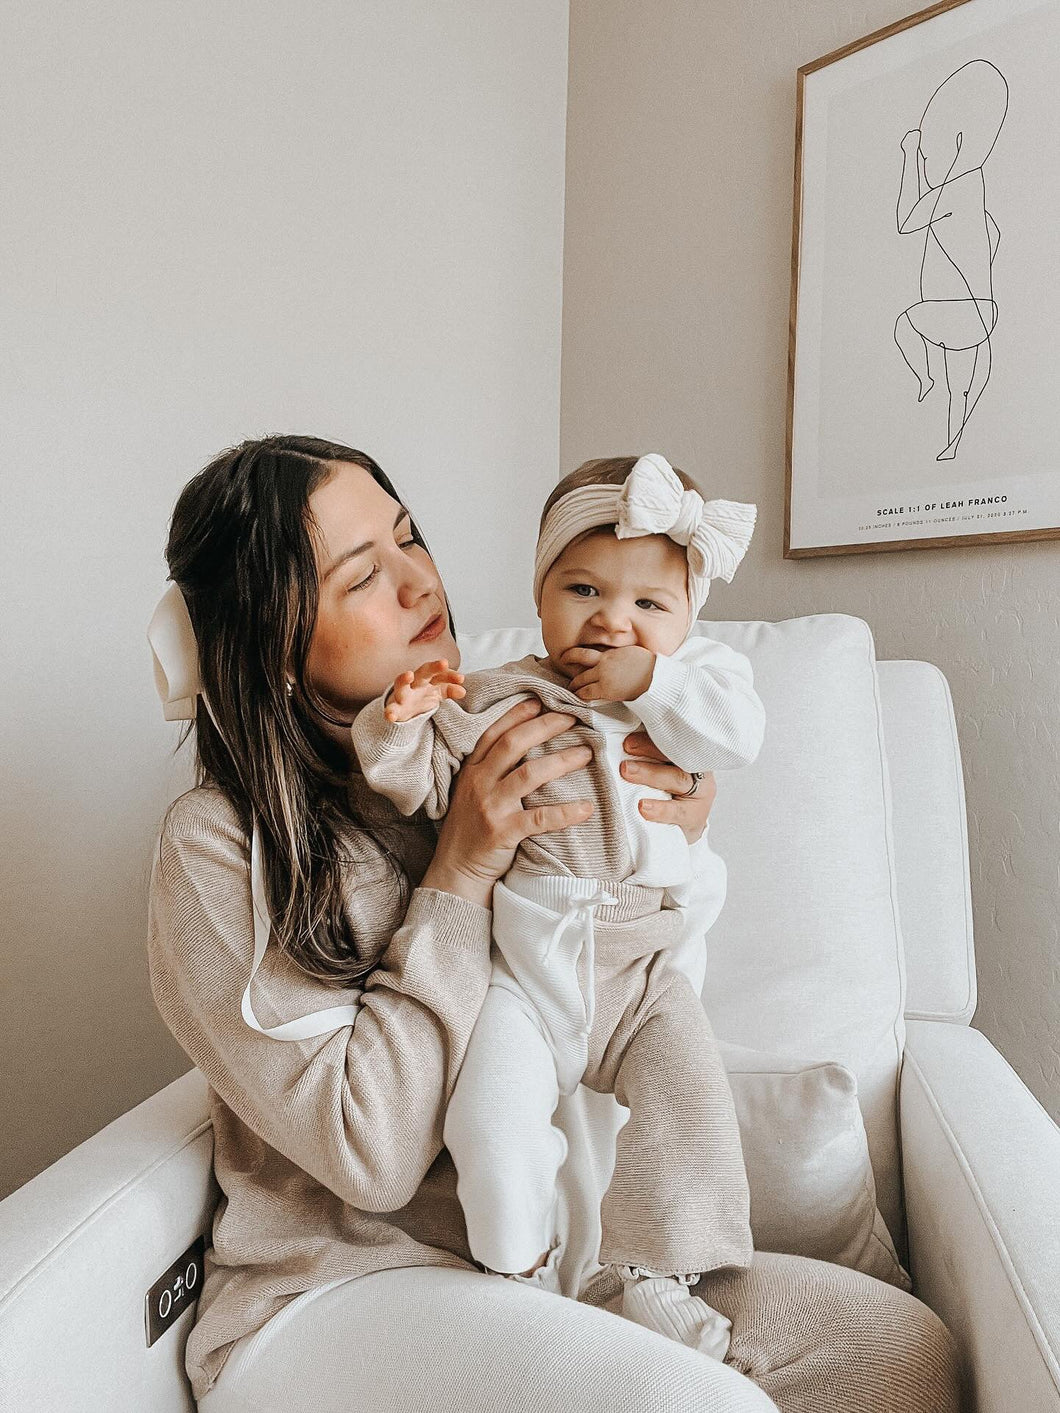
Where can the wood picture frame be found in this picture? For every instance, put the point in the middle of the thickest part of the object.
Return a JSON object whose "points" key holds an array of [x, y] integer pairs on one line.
{"points": [[918, 423]]}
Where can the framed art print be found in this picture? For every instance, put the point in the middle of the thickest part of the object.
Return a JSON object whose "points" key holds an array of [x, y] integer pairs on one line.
{"points": [[924, 347]]}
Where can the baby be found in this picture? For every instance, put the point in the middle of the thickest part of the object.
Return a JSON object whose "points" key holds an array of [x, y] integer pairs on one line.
{"points": [[588, 923]]}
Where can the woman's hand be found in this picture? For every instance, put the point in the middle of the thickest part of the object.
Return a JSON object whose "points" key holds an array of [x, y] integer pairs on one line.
{"points": [[486, 820], [691, 813]]}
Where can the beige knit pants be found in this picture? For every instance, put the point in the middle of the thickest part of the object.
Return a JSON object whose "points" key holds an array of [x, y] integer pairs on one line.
{"points": [[599, 1005], [807, 1337]]}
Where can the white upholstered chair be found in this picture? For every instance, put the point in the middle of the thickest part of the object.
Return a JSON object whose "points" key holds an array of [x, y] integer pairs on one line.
{"points": [[846, 936]]}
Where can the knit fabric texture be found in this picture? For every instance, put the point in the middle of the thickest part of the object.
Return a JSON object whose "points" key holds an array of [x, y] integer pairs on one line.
{"points": [[703, 713], [328, 1151]]}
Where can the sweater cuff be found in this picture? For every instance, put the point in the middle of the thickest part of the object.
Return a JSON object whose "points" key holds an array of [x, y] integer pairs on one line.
{"points": [[374, 737], [456, 921], [665, 690]]}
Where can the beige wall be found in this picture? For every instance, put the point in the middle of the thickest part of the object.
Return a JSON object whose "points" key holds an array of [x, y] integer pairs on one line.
{"points": [[221, 221], [675, 332]]}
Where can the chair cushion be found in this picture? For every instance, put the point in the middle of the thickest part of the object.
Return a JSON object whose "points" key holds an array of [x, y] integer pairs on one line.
{"points": [[807, 1159], [806, 957]]}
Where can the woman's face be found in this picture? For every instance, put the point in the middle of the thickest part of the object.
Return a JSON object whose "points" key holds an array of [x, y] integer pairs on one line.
{"points": [[379, 592]]}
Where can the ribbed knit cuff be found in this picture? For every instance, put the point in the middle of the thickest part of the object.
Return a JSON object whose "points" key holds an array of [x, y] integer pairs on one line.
{"points": [[665, 690], [374, 737], [451, 919]]}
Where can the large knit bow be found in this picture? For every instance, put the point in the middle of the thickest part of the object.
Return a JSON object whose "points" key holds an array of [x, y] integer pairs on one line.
{"points": [[654, 502]]}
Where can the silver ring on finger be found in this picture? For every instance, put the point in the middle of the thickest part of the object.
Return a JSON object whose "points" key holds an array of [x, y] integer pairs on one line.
{"points": [[697, 776]]}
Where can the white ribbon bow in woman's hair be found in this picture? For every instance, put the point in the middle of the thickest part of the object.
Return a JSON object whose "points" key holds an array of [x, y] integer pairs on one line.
{"points": [[176, 657]]}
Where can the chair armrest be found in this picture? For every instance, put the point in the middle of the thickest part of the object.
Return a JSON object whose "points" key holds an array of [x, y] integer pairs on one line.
{"points": [[81, 1245], [981, 1166]]}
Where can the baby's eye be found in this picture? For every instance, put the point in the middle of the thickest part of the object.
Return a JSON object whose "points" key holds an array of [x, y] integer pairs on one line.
{"points": [[650, 603], [577, 589]]}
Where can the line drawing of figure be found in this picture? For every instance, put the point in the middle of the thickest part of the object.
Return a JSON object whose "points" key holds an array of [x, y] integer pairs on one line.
{"points": [[943, 193]]}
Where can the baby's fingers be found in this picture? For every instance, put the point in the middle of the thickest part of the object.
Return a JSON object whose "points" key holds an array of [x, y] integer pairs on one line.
{"points": [[586, 657], [453, 691], [591, 674]]}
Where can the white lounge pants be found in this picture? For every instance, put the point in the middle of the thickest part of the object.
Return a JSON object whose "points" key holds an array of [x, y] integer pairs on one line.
{"points": [[572, 1001]]}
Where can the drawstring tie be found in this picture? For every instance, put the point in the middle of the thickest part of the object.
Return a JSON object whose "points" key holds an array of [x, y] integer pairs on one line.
{"points": [[580, 910]]}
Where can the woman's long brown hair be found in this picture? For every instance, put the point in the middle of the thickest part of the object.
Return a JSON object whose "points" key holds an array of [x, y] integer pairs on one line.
{"points": [[241, 550]]}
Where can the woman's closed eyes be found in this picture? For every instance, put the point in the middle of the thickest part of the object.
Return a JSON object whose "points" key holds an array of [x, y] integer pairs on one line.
{"points": [[410, 543]]}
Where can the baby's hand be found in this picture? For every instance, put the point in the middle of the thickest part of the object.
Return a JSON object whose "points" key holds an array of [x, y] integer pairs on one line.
{"points": [[615, 675], [413, 693]]}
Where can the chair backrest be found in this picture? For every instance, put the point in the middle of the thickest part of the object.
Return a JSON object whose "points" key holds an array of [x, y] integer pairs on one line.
{"points": [[931, 841]]}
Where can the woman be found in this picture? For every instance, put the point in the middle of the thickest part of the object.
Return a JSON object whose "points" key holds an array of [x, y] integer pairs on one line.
{"points": [[340, 1276]]}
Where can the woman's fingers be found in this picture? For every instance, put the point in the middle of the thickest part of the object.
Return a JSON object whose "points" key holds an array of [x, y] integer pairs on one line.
{"points": [[522, 711], [639, 743], [659, 775], [689, 815], [542, 819], [511, 746], [509, 776], [537, 771]]}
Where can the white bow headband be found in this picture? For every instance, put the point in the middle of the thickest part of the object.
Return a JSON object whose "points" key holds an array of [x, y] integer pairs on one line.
{"points": [[178, 683], [652, 501]]}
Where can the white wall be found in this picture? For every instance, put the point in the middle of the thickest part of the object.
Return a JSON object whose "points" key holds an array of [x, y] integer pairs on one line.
{"points": [[220, 221], [681, 136]]}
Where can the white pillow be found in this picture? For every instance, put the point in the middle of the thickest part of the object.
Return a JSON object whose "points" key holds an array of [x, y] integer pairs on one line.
{"points": [[807, 1160]]}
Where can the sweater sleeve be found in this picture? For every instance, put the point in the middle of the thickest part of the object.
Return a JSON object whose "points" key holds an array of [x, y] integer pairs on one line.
{"points": [[360, 1109], [701, 708], [410, 762], [413, 762]]}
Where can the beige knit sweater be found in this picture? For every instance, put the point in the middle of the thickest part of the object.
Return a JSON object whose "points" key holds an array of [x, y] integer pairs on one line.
{"points": [[328, 1151]]}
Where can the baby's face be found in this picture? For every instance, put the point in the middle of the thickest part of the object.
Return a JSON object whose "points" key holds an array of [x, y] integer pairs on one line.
{"points": [[603, 592]]}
